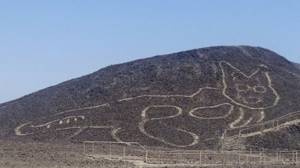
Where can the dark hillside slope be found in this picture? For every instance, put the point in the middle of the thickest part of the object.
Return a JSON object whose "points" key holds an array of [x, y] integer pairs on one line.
{"points": [[187, 100], [297, 65]]}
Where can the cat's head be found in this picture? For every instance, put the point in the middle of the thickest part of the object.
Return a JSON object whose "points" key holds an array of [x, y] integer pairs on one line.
{"points": [[254, 91]]}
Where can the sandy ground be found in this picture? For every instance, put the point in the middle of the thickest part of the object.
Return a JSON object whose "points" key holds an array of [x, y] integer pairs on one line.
{"points": [[54, 155], [66, 155]]}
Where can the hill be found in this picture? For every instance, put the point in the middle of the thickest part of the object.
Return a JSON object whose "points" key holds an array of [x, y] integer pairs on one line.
{"points": [[192, 99], [297, 65]]}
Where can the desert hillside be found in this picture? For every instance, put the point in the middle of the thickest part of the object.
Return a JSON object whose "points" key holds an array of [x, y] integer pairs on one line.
{"points": [[196, 99]]}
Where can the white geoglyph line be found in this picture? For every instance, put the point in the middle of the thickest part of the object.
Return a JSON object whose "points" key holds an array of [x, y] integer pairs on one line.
{"points": [[145, 119], [273, 129], [144, 112], [262, 116], [101, 127], [80, 130], [114, 135], [67, 128], [238, 120], [179, 110], [246, 123], [270, 85], [273, 89], [191, 113], [296, 113], [83, 108], [273, 122], [161, 96], [132, 98], [18, 130], [48, 123], [195, 137], [83, 128], [168, 96]]}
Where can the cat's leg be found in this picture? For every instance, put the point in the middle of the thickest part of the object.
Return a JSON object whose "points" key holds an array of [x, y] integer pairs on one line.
{"points": [[215, 119], [244, 118], [247, 117], [160, 123], [261, 116]]}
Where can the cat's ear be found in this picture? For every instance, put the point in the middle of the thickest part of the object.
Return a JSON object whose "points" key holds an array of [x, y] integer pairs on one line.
{"points": [[261, 75], [231, 73]]}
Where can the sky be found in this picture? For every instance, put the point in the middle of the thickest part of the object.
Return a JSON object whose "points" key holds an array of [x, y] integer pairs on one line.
{"points": [[43, 43]]}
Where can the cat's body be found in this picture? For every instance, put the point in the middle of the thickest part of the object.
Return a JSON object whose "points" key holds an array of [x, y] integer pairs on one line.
{"points": [[173, 120]]}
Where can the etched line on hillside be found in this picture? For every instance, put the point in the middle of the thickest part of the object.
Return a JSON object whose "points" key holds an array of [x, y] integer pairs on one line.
{"points": [[274, 125], [238, 120], [191, 113], [145, 119], [114, 133], [244, 51], [67, 128], [83, 108], [252, 102], [136, 97], [59, 120], [249, 102], [262, 116], [246, 123], [18, 130], [225, 86], [168, 96], [273, 129]]}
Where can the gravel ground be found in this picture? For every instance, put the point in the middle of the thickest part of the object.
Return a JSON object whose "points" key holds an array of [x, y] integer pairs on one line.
{"points": [[66, 155], [54, 155]]}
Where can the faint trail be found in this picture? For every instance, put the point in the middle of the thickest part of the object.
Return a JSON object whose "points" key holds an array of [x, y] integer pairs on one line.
{"points": [[244, 51]]}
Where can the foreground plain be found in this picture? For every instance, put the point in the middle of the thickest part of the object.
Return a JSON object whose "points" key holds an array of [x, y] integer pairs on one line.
{"points": [[67, 155]]}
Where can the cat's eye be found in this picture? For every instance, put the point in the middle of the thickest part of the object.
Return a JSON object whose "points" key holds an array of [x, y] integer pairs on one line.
{"points": [[259, 89], [242, 87]]}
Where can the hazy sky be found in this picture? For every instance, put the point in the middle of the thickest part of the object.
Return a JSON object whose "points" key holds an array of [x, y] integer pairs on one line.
{"points": [[44, 42]]}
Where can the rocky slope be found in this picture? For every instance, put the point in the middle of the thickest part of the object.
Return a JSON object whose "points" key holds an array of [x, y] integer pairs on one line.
{"points": [[297, 65], [191, 99]]}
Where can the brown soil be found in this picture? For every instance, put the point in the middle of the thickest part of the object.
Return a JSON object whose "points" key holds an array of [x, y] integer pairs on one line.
{"points": [[54, 155]]}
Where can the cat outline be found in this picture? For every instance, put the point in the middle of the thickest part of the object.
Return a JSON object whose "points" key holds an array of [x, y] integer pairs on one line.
{"points": [[222, 64]]}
